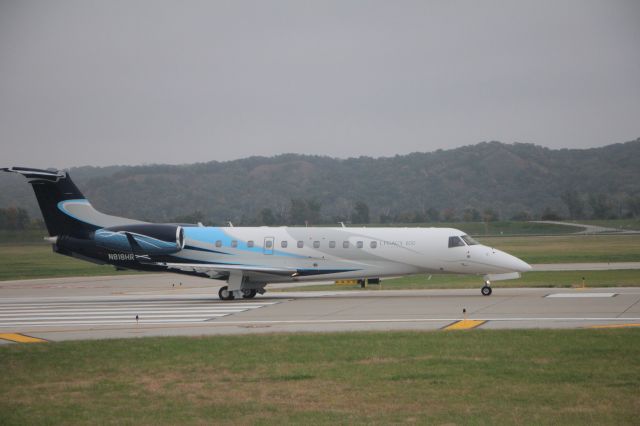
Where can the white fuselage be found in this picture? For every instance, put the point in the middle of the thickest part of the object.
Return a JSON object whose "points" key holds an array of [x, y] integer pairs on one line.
{"points": [[338, 253]]}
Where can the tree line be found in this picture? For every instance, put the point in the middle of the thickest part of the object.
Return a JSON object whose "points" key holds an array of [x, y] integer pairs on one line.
{"points": [[18, 219], [308, 212], [483, 182], [600, 205]]}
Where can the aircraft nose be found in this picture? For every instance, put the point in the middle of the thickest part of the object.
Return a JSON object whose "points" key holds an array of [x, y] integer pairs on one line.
{"points": [[511, 263], [520, 265]]}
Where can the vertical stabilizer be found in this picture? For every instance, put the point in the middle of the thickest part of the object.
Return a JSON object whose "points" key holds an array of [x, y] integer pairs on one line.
{"points": [[64, 209]]}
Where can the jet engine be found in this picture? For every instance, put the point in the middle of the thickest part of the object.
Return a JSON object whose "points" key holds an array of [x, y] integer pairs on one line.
{"points": [[144, 238]]}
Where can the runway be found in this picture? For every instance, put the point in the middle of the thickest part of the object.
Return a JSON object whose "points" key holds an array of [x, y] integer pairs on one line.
{"points": [[168, 305]]}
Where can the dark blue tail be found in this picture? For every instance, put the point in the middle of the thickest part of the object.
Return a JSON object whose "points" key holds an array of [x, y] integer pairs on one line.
{"points": [[52, 188]]}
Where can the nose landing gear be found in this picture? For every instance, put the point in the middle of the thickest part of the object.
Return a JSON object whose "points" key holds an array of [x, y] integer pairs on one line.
{"points": [[486, 290]]}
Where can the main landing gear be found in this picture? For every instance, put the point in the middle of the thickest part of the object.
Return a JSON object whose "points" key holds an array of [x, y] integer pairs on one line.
{"points": [[249, 293], [225, 294], [486, 290]]}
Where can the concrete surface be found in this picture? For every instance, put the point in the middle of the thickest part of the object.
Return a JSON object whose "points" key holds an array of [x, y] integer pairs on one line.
{"points": [[602, 266], [166, 304]]}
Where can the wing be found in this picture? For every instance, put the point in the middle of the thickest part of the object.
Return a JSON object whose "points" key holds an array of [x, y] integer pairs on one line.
{"points": [[222, 270]]}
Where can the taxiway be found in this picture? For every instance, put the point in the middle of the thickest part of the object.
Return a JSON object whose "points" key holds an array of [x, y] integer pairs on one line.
{"points": [[163, 305]]}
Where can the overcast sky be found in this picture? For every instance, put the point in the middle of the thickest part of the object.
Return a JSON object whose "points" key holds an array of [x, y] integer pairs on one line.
{"points": [[134, 82]]}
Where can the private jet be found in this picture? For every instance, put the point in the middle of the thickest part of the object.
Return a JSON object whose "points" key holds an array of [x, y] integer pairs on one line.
{"points": [[249, 258]]}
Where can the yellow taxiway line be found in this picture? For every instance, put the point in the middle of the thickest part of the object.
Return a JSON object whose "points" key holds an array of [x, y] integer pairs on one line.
{"points": [[20, 338], [615, 326], [464, 325]]}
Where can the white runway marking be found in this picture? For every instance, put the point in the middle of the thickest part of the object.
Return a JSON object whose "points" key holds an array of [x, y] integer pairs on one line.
{"points": [[111, 312], [579, 295], [450, 319]]}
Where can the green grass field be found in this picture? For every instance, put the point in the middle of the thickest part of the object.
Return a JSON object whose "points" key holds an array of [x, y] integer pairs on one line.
{"points": [[465, 377], [22, 237], [569, 249], [622, 224], [25, 261]]}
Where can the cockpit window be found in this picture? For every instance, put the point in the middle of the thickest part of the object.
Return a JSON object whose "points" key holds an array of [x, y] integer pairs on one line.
{"points": [[455, 242], [470, 241]]}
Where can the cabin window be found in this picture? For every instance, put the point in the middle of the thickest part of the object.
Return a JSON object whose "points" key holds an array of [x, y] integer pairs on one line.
{"points": [[234, 243], [360, 244], [470, 241], [300, 244], [374, 244], [219, 243], [283, 244], [268, 244], [250, 243], [455, 242], [332, 244], [345, 244], [316, 244]]}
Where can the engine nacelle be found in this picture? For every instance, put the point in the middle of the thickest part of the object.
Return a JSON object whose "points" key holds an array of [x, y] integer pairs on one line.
{"points": [[151, 238]]}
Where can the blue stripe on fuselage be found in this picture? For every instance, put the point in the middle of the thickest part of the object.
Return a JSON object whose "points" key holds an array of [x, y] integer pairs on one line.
{"points": [[210, 234]]}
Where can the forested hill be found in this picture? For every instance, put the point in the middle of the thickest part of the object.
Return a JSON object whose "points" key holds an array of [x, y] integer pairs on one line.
{"points": [[495, 178]]}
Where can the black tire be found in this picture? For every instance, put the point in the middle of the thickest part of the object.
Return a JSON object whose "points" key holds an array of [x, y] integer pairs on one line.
{"points": [[225, 294], [486, 290], [249, 294]]}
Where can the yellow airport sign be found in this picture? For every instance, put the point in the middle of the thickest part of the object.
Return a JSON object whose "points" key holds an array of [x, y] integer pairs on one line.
{"points": [[346, 282]]}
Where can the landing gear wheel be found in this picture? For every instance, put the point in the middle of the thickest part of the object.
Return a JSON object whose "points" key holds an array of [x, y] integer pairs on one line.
{"points": [[225, 294], [486, 290], [249, 294]]}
